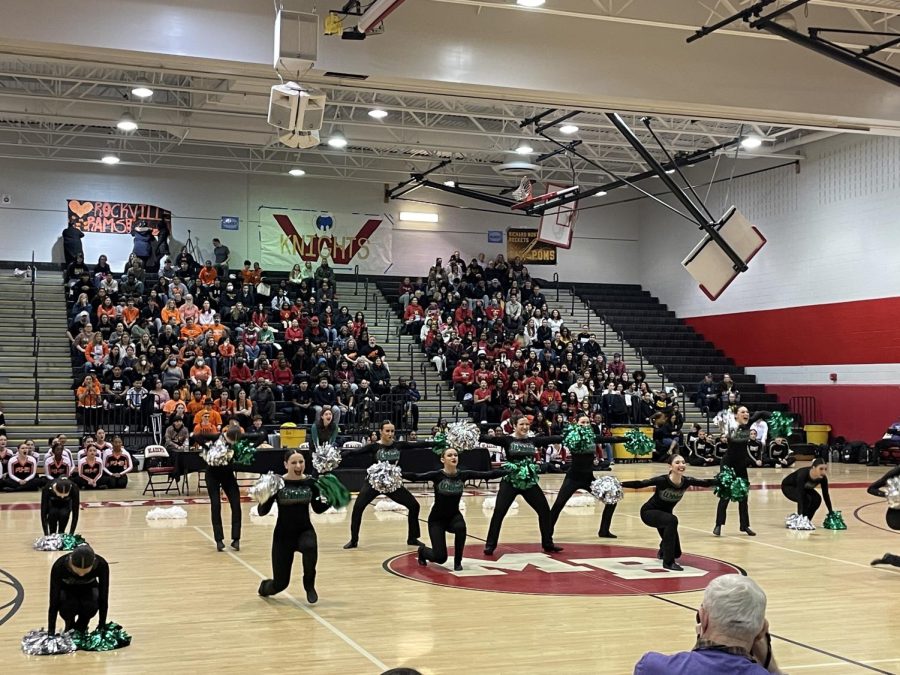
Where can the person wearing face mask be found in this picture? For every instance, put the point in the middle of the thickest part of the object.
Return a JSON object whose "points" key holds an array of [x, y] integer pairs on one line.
{"points": [[79, 589], [172, 374]]}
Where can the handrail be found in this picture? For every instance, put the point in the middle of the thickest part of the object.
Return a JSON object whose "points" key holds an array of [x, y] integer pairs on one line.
{"points": [[356, 280], [424, 368], [572, 291], [387, 334], [590, 311], [440, 392], [37, 383], [556, 283], [375, 295], [640, 353], [412, 364], [399, 345], [605, 324], [366, 296]]}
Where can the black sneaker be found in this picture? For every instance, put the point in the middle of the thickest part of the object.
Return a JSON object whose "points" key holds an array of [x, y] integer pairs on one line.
{"points": [[457, 567], [236, 544], [220, 545], [351, 544], [311, 596], [421, 557], [413, 542], [750, 533], [553, 548], [606, 535], [489, 549], [674, 566], [717, 530]]}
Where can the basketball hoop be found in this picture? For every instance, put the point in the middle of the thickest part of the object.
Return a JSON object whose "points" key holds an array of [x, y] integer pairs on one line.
{"points": [[524, 191]]}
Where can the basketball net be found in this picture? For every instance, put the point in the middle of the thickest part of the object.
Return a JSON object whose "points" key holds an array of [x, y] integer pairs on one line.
{"points": [[523, 193]]}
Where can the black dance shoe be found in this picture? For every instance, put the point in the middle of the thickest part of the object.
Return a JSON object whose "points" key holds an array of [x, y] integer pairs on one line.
{"points": [[351, 544], [606, 535], [457, 567], [220, 545], [674, 566], [311, 596], [553, 548], [421, 557], [750, 533], [414, 542], [262, 588], [717, 530], [489, 549], [236, 544]]}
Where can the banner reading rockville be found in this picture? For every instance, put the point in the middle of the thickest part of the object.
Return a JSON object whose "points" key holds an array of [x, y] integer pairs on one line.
{"points": [[292, 236]]}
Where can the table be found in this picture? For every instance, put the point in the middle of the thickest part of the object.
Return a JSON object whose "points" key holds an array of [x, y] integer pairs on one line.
{"points": [[190, 461]]}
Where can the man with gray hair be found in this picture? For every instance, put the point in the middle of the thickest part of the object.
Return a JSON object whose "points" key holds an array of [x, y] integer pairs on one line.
{"points": [[732, 634]]}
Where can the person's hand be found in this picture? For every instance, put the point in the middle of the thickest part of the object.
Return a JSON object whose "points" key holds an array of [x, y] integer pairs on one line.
{"points": [[762, 649], [758, 463]]}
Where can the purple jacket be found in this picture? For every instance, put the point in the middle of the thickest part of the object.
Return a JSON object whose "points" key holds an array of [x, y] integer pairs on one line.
{"points": [[703, 662]]}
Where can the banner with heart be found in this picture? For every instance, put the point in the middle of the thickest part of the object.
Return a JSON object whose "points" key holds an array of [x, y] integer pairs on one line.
{"points": [[101, 217]]}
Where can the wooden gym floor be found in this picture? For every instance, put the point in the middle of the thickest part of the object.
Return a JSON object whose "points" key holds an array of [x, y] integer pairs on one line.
{"points": [[191, 609]]}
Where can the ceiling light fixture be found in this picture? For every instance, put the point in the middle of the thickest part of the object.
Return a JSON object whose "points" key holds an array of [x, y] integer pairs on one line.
{"points": [[602, 193], [670, 171], [568, 129], [378, 114], [110, 159], [337, 140], [142, 92], [415, 217], [126, 123], [530, 3], [524, 149], [297, 172], [450, 183], [751, 142]]}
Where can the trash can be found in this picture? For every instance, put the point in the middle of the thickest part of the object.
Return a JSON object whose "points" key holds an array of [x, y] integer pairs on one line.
{"points": [[619, 451], [817, 434], [292, 436]]}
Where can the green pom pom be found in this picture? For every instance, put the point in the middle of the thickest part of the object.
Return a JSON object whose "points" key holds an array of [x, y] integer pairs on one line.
{"points": [[638, 443], [333, 490], [522, 474], [834, 521], [244, 452], [579, 439], [70, 541], [780, 424], [105, 638], [729, 486], [440, 444]]}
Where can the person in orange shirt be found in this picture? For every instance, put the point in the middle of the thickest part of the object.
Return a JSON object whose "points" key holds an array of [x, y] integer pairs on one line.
{"points": [[130, 314], [170, 311], [247, 273], [208, 275], [205, 427], [169, 406], [209, 410], [191, 330], [88, 394], [201, 374], [196, 403], [217, 330], [107, 308], [224, 406]]}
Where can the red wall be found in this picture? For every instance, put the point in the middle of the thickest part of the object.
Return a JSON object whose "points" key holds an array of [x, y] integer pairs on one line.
{"points": [[856, 412], [861, 332], [866, 331]]}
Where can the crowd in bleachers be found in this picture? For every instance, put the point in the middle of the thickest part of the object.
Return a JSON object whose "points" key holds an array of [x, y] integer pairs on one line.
{"points": [[206, 346]]}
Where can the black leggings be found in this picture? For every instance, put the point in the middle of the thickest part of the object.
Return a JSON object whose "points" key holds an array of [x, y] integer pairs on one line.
{"points": [[224, 478], [117, 481], [57, 519], [743, 508], [402, 496], [892, 518], [78, 607], [102, 483], [812, 498], [667, 525], [534, 497], [283, 550], [569, 485], [437, 531]]}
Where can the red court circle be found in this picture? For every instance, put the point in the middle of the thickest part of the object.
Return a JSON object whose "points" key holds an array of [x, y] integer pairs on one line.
{"points": [[581, 569]]}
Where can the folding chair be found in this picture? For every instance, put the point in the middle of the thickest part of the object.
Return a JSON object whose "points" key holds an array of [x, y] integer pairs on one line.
{"points": [[162, 474]]}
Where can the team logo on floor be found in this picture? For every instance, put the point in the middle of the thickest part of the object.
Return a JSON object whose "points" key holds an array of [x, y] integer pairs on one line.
{"points": [[12, 594], [581, 569]]}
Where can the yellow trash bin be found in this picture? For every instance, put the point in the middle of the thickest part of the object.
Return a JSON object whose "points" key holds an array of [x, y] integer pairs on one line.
{"points": [[292, 436], [817, 434], [619, 451]]}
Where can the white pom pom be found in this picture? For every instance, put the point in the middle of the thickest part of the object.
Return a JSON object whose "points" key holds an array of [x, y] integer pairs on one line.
{"points": [[254, 511], [171, 513], [490, 503], [390, 505], [581, 501]]}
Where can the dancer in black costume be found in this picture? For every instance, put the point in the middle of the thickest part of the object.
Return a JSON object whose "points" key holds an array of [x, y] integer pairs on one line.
{"points": [[294, 532], [892, 516], [657, 511], [520, 450], [445, 516], [800, 487], [738, 457], [59, 501], [579, 476], [79, 589], [385, 450], [222, 477]]}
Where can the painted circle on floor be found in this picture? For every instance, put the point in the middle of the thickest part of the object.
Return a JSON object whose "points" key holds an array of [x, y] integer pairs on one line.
{"points": [[12, 595], [581, 569]]}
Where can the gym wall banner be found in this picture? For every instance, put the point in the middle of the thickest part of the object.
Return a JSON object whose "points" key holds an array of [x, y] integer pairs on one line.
{"points": [[117, 217], [292, 236], [523, 243]]}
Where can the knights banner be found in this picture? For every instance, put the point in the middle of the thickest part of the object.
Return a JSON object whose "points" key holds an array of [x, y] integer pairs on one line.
{"points": [[91, 216], [292, 236], [524, 243]]}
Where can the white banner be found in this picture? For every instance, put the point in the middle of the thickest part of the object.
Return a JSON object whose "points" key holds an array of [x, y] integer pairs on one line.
{"points": [[291, 236]]}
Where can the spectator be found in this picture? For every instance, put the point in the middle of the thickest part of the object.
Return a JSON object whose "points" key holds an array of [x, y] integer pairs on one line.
{"points": [[176, 436], [324, 396], [732, 630], [222, 255]]}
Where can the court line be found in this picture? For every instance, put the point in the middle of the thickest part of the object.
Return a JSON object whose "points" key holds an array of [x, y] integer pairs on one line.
{"points": [[753, 540], [324, 622], [866, 522]]}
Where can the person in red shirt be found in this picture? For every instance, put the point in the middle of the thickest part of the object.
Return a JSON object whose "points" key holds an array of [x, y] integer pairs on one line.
{"points": [[413, 317], [551, 399], [283, 380], [484, 373], [536, 380], [240, 375], [463, 378], [264, 371], [481, 402], [462, 313], [467, 330]]}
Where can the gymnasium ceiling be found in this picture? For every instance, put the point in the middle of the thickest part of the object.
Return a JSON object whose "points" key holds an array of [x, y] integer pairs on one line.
{"points": [[61, 95]]}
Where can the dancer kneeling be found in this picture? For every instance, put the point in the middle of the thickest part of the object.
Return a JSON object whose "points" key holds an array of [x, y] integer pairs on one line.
{"points": [[79, 589], [657, 511], [800, 487], [881, 488], [294, 531], [445, 516], [59, 501]]}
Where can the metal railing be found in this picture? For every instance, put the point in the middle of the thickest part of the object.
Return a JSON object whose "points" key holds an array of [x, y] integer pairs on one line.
{"points": [[440, 392], [387, 333], [409, 355], [356, 280], [37, 382], [423, 367], [366, 295], [556, 283], [375, 295]]}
